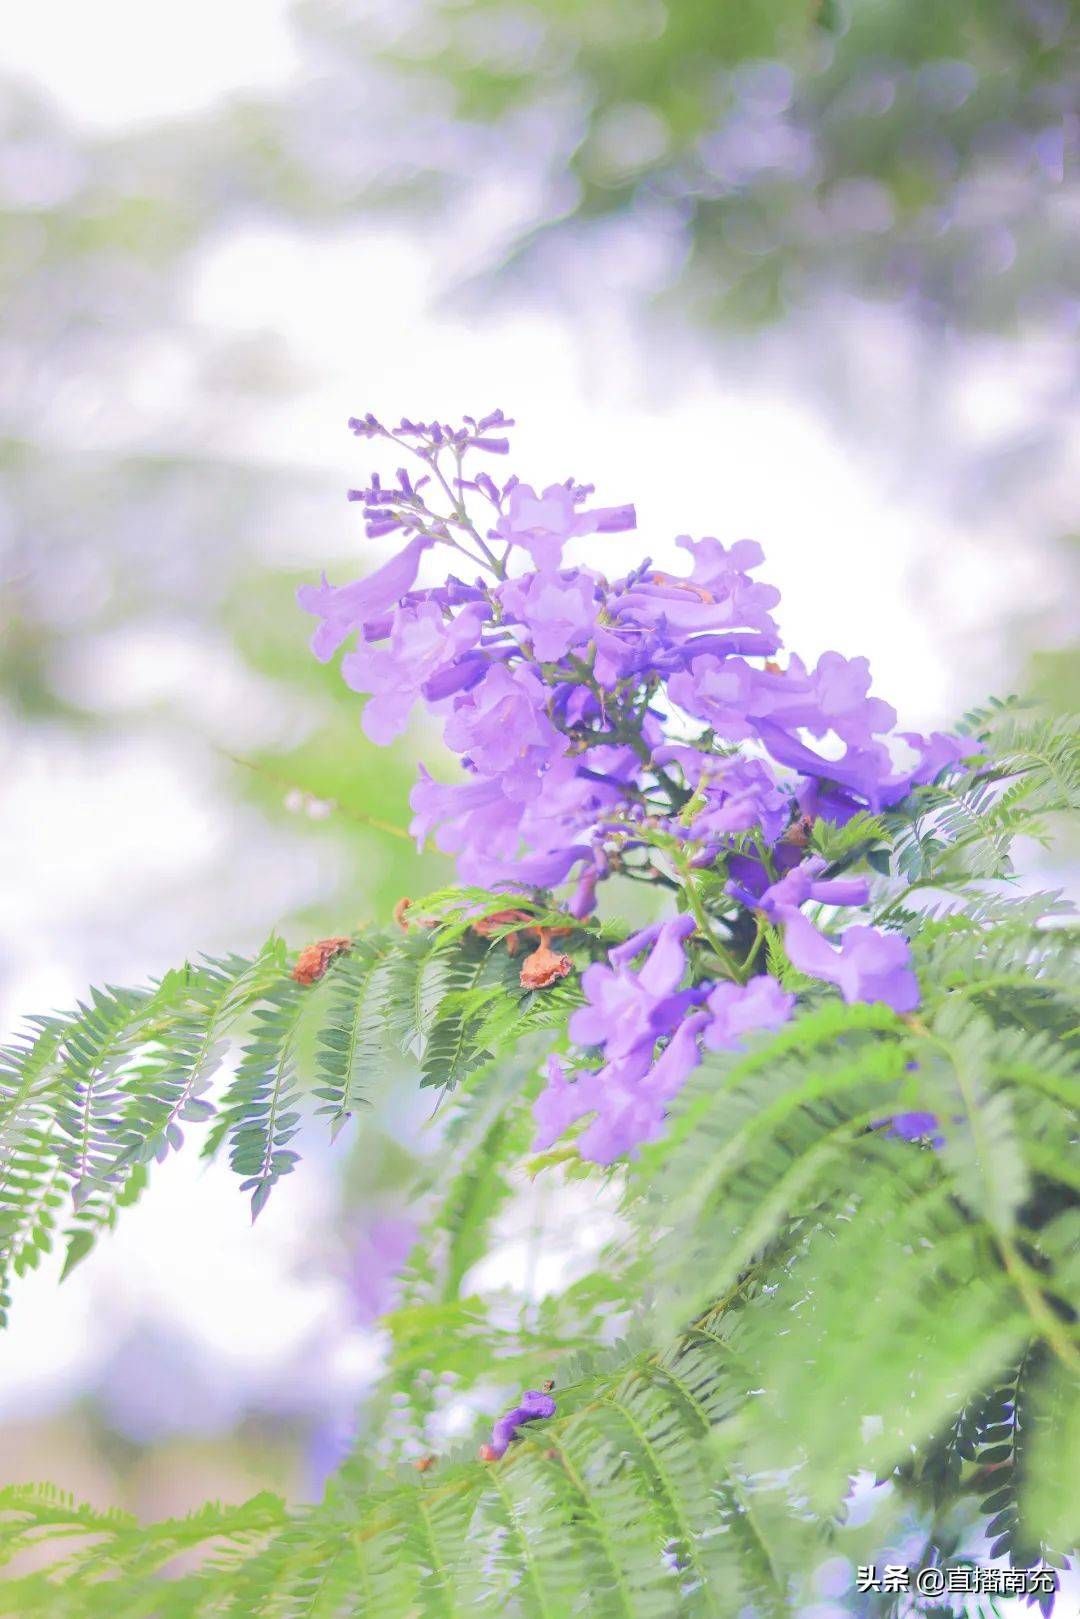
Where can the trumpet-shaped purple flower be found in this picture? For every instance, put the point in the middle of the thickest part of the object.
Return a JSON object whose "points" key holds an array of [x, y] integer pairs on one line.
{"points": [[535, 1405], [564, 1100], [736, 1010], [423, 641], [628, 1096], [740, 701], [741, 796], [804, 882], [866, 965], [582, 902], [502, 727], [545, 869], [630, 1009], [541, 524], [733, 794], [717, 595], [724, 570], [634, 1092], [867, 772], [557, 611], [835, 697], [628, 1012], [938, 752], [465, 818], [500, 839], [346, 608], [718, 691]]}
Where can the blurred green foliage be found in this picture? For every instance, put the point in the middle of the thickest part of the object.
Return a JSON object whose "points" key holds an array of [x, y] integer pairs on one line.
{"points": [[895, 148]]}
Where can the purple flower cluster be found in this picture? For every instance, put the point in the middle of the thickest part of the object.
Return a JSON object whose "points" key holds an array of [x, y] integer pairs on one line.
{"points": [[638, 723], [629, 1012]]}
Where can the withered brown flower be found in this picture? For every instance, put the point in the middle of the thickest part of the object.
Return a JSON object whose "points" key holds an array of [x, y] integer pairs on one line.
{"points": [[314, 959], [544, 966], [485, 926]]}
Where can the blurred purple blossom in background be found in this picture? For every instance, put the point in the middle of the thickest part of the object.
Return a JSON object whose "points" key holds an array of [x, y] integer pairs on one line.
{"points": [[378, 1255]]}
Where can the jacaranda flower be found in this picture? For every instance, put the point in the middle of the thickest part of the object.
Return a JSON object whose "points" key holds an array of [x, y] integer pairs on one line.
{"points": [[637, 722], [534, 1406], [866, 965]]}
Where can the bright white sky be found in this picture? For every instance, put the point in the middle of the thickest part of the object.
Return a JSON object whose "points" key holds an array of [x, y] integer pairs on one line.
{"points": [[119, 62]]}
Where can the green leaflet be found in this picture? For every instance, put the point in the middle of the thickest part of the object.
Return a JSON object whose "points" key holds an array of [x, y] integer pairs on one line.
{"points": [[480, 978], [30, 1175], [259, 1112], [187, 1048], [352, 1033]]}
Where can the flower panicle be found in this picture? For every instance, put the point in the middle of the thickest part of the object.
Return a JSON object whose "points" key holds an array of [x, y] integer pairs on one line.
{"points": [[638, 721]]}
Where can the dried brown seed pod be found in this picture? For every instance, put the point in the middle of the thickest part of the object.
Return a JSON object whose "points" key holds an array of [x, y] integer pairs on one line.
{"points": [[314, 959]]}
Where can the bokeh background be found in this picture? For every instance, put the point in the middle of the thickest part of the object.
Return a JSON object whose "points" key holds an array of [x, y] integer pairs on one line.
{"points": [[801, 270]]}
